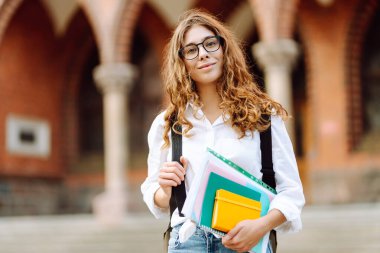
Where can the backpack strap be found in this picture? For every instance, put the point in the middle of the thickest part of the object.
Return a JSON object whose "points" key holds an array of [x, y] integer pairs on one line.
{"points": [[177, 199], [266, 156], [267, 169], [178, 196]]}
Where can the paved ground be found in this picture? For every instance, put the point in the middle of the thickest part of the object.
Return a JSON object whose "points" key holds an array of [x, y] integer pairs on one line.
{"points": [[333, 229], [327, 229]]}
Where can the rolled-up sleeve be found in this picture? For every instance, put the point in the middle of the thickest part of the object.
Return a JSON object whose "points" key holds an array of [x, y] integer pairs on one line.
{"points": [[290, 198], [156, 157]]}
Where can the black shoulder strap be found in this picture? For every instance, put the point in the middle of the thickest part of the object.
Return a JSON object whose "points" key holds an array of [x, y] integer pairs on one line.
{"points": [[267, 169], [266, 156], [178, 193]]}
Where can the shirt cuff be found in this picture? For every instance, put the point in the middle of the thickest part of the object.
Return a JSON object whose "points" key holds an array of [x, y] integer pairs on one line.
{"points": [[158, 212], [292, 214]]}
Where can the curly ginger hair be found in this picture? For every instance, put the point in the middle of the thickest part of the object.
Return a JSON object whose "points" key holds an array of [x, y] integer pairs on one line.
{"points": [[241, 98]]}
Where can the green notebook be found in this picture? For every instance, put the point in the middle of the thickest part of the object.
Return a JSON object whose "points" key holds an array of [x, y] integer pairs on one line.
{"points": [[215, 183]]}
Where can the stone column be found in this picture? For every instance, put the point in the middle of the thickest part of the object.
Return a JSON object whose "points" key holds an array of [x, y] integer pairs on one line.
{"points": [[114, 80], [277, 58]]}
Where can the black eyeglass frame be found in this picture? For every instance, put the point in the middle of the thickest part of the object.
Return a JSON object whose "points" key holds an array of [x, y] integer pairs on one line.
{"points": [[219, 38]]}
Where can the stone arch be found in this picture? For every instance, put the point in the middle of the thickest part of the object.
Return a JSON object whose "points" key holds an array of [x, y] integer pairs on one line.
{"points": [[221, 8], [275, 19], [149, 21], [134, 9], [355, 38], [124, 37], [7, 10], [76, 55]]}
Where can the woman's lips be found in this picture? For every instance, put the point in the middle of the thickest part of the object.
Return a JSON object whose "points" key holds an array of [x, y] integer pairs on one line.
{"points": [[204, 66]]}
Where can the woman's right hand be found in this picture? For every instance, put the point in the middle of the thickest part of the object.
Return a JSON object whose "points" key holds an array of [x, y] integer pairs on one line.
{"points": [[171, 174]]}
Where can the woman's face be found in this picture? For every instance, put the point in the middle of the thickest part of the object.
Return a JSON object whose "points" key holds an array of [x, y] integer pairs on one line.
{"points": [[206, 67]]}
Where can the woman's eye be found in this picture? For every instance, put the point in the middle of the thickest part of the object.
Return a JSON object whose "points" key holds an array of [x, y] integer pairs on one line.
{"points": [[210, 44], [190, 50]]}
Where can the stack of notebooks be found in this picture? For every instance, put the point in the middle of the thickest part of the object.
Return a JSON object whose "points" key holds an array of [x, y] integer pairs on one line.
{"points": [[225, 194]]}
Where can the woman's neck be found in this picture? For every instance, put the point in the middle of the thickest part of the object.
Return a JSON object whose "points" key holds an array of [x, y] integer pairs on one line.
{"points": [[208, 95], [210, 100]]}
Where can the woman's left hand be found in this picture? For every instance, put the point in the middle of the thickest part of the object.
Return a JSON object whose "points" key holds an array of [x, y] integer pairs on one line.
{"points": [[245, 235]]}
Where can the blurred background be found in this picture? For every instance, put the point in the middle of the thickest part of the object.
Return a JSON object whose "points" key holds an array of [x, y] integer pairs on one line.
{"points": [[80, 85]]}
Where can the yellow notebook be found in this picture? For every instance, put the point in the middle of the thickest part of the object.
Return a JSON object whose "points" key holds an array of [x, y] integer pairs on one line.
{"points": [[231, 208]]}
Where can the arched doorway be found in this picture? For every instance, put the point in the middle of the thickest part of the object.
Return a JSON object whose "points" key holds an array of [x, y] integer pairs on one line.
{"points": [[370, 83], [82, 114]]}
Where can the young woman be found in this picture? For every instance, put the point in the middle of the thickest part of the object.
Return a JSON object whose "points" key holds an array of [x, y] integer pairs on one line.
{"points": [[218, 105]]}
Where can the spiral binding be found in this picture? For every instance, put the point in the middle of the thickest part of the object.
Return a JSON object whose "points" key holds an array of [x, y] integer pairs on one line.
{"points": [[211, 230], [241, 170]]}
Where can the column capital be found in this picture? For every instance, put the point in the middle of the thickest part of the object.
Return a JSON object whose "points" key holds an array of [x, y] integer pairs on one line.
{"points": [[281, 53], [114, 77]]}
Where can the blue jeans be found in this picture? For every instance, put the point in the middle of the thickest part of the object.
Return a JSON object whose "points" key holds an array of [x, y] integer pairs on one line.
{"points": [[200, 241]]}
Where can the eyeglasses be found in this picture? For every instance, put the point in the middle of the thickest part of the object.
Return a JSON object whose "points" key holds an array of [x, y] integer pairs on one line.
{"points": [[210, 44]]}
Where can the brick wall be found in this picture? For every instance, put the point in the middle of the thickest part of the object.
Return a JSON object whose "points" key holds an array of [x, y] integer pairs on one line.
{"points": [[337, 174], [28, 88]]}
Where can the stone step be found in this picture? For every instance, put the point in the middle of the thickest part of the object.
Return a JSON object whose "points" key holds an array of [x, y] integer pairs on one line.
{"points": [[345, 228], [79, 234], [327, 229]]}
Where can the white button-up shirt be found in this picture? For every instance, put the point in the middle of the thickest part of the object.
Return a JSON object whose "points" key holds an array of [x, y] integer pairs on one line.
{"points": [[245, 152]]}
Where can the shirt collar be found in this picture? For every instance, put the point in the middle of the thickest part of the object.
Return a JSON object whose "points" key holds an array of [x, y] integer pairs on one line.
{"points": [[191, 106]]}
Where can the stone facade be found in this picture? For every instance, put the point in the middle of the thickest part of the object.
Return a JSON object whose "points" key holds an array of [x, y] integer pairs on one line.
{"points": [[49, 75]]}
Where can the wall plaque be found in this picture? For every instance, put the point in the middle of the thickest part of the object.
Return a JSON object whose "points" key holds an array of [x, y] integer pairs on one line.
{"points": [[28, 136]]}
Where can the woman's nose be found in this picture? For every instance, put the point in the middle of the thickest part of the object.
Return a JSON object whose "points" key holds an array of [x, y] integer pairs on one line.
{"points": [[202, 52]]}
